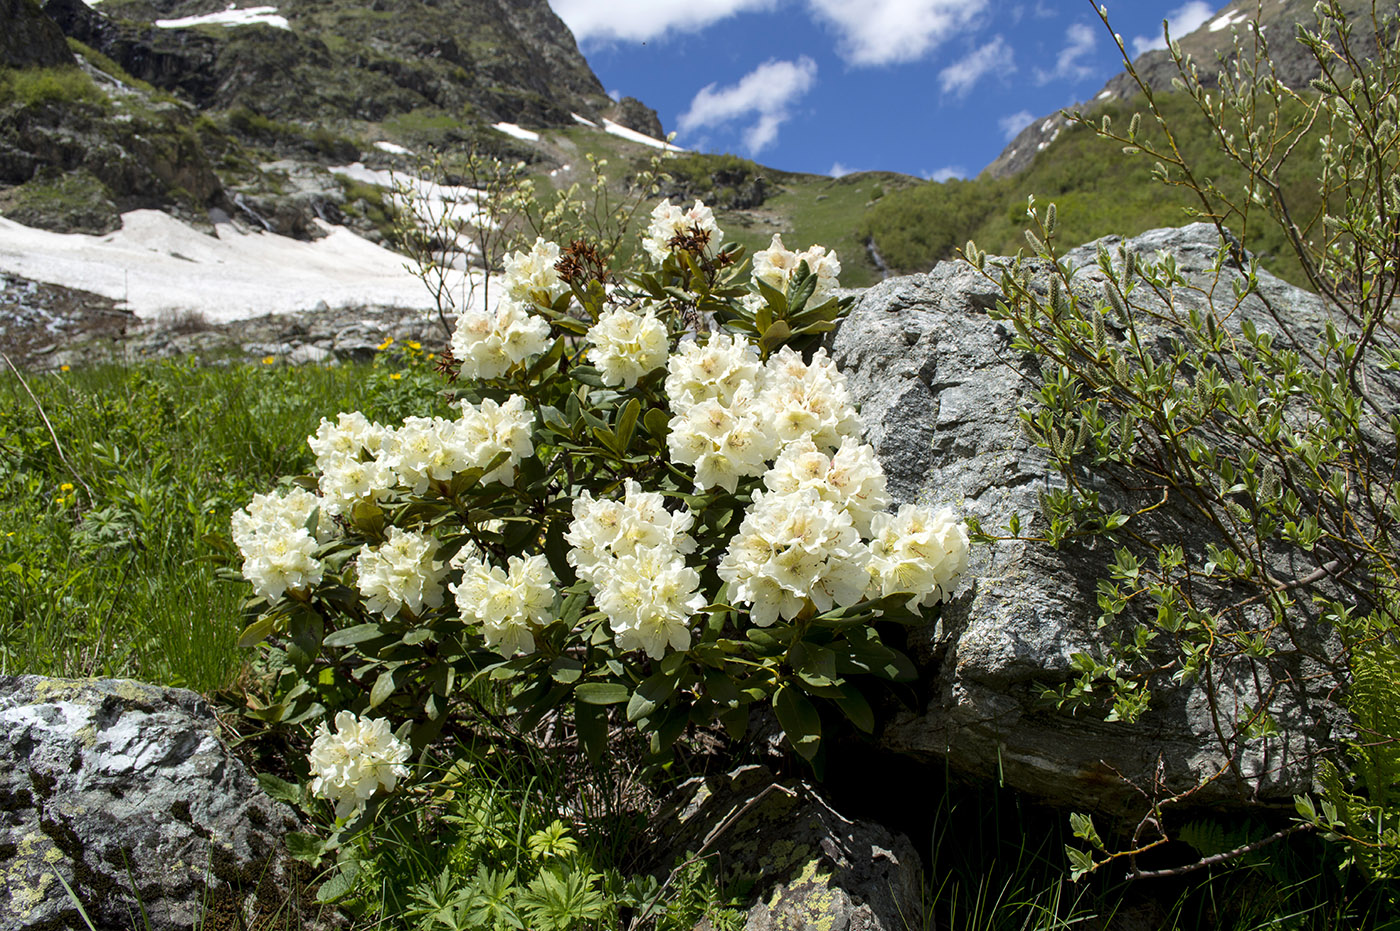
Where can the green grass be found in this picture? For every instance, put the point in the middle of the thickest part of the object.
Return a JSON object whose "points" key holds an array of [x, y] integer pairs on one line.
{"points": [[66, 84], [111, 537]]}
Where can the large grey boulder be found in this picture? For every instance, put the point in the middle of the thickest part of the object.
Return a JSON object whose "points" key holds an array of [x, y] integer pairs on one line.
{"points": [[940, 387], [126, 792], [807, 866]]}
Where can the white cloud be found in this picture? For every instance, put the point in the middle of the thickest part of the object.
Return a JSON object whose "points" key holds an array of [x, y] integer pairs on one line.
{"points": [[640, 20], [959, 77], [883, 32], [839, 170], [947, 174], [1080, 39], [768, 93], [1013, 123], [1186, 18]]}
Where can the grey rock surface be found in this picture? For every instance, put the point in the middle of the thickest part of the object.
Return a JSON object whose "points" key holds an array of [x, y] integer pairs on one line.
{"points": [[940, 389], [28, 38], [810, 867], [126, 792]]}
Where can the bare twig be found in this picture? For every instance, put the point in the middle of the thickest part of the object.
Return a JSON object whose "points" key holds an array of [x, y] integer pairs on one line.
{"points": [[1220, 857]]}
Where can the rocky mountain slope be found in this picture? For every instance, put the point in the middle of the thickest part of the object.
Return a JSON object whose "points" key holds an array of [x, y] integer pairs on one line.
{"points": [[189, 106], [1211, 47]]}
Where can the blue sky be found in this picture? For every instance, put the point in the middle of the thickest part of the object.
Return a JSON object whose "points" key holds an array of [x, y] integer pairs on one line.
{"points": [[934, 88]]}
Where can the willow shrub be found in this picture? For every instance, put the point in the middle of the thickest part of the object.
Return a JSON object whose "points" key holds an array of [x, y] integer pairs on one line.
{"points": [[1284, 448]]}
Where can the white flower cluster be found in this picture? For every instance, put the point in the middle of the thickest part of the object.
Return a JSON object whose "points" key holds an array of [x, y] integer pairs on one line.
{"points": [[627, 345], [802, 541], [401, 573], [791, 548], [633, 553], [669, 221], [776, 265], [509, 604], [359, 759], [917, 551], [531, 276], [732, 414], [489, 343], [433, 449], [351, 455], [277, 546], [851, 478]]}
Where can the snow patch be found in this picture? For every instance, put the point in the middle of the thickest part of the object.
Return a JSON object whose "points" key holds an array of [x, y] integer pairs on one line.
{"points": [[1104, 95], [1045, 127], [510, 129], [617, 129], [266, 15], [1228, 20], [392, 148], [583, 120], [162, 266]]}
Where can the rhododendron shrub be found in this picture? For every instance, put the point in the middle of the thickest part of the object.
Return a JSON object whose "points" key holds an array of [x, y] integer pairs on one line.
{"points": [[638, 491]]}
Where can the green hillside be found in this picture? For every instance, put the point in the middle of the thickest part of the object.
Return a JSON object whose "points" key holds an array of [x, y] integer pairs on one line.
{"points": [[1099, 190]]}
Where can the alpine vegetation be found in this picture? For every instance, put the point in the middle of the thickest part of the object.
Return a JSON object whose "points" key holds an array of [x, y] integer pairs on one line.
{"points": [[651, 493]]}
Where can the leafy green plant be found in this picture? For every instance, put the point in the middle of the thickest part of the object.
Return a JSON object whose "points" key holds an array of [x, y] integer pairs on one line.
{"points": [[526, 504]]}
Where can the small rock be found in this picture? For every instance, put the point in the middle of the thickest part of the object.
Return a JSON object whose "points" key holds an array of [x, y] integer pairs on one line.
{"points": [[115, 785], [809, 866], [311, 353]]}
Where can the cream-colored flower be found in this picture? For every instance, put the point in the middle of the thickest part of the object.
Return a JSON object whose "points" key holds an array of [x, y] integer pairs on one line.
{"points": [[277, 544], [851, 478], [792, 551], [510, 604], [531, 276], [919, 552], [717, 369], [627, 345], [669, 221], [489, 343], [402, 573], [362, 757], [801, 399]]}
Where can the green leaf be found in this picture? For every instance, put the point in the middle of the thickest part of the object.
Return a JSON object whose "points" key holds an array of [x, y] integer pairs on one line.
{"points": [[651, 694], [305, 630], [601, 693], [383, 688], [735, 721], [591, 722], [305, 847], [280, 789], [338, 885], [351, 635], [799, 720], [854, 706], [1081, 863], [565, 669], [627, 425], [256, 632], [657, 423]]}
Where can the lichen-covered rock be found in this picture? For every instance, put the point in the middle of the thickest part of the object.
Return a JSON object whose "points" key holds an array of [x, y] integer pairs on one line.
{"points": [[940, 389], [126, 792], [809, 867]]}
